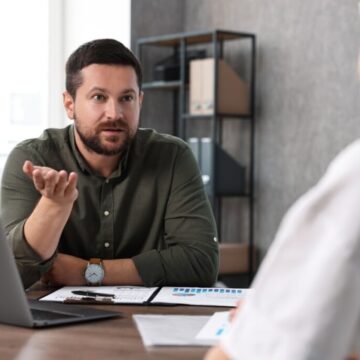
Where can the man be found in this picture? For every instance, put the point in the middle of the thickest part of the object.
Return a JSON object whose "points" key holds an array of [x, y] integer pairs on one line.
{"points": [[103, 201]]}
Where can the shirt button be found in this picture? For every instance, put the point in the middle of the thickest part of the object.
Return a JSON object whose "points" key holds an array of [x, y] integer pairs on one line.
{"points": [[107, 181], [106, 213], [215, 239], [106, 244]]}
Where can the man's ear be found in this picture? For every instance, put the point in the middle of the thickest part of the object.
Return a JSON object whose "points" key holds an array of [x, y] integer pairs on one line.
{"points": [[69, 105]]}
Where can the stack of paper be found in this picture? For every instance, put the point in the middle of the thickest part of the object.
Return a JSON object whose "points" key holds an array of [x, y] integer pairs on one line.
{"points": [[182, 330]]}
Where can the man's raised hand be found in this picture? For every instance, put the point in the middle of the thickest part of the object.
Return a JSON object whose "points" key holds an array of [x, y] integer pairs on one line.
{"points": [[58, 186]]}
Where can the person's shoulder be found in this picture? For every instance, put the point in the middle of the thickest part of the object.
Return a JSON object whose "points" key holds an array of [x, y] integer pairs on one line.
{"points": [[348, 158], [49, 139], [350, 150], [345, 167]]}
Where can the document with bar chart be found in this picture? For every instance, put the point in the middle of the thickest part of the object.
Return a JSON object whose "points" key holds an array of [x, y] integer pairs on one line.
{"points": [[199, 296]]}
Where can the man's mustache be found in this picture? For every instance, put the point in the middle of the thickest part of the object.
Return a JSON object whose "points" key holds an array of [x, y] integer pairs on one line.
{"points": [[114, 125]]}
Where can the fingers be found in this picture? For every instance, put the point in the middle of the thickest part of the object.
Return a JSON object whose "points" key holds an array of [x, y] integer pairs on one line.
{"points": [[239, 303], [71, 184], [38, 180], [233, 312], [28, 168], [51, 183], [61, 183], [46, 280], [46, 182]]}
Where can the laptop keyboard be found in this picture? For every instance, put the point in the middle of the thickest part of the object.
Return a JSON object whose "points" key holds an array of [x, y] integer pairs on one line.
{"points": [[49, 315]]}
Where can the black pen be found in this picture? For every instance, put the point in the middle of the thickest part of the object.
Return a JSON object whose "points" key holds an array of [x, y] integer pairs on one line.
{"points": [[91, 293]]}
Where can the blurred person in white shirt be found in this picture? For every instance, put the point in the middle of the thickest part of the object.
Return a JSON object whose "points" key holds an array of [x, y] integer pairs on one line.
{"points": [[305, 303]]}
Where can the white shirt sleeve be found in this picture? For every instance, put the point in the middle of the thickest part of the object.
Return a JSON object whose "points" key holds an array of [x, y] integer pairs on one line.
{"points": [[306, 298]]}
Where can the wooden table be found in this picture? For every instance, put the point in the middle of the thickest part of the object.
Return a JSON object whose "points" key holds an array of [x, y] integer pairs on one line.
{"points": [[116, 338]]}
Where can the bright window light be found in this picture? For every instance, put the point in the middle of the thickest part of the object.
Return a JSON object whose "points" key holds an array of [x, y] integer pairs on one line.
{"points": [[36, 38], [23, 72]]}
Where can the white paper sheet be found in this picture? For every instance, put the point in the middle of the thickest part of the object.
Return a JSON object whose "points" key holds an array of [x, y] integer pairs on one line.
{"points": [[121, 294], [216, 327], [171, 330]]}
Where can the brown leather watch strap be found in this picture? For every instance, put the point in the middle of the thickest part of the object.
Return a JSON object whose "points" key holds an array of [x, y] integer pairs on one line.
{"points": [[96, 261]]}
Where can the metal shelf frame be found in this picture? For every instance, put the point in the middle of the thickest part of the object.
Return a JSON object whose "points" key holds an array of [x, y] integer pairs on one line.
{"points": [[180, 43]]}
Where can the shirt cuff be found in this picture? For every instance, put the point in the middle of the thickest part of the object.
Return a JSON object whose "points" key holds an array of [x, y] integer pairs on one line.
{"points": [[150, 260], [28, 261]]}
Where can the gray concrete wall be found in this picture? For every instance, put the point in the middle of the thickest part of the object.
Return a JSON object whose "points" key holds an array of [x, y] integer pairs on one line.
{"points": [[150, 18], [308, 102]]}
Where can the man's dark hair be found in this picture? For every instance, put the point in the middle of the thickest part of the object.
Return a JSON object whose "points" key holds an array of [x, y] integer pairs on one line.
{"points": [[101, 51]]}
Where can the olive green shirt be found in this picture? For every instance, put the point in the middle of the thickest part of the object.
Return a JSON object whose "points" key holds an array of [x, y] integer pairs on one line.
{"points": [[152, 209]]}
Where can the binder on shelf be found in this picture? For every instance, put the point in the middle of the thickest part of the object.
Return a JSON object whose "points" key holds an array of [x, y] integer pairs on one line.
{"points": [[222, 175], [196, 88], [194, 144], [229, 174], [232, 92], [207, 165]]}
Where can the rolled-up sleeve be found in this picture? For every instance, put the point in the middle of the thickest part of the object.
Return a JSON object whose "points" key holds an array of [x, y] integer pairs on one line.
{"points": [[191, 253], [18, 198]]}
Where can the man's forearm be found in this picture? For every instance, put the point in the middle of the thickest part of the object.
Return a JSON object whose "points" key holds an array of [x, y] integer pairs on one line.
{"points": [[44, 226], [58, 192], [121, 272], [69, 270]]}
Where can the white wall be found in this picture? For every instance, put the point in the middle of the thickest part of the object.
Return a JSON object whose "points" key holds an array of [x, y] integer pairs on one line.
{"points": [[77, 22], [74, 23], [87, 20], [23, 72]]}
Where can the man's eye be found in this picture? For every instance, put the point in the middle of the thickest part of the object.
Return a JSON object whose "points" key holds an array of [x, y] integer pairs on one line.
{"points": [[99, 97], [127, 98]]}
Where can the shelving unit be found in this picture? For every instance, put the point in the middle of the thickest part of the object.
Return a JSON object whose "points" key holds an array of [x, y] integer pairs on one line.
{"points": [[214, 42]]}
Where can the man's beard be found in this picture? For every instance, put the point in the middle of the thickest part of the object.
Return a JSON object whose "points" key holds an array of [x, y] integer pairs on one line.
{"points": [[93, 142]]}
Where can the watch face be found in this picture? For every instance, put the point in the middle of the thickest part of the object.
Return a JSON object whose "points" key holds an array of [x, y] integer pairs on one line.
{"points": [[94, 274]]}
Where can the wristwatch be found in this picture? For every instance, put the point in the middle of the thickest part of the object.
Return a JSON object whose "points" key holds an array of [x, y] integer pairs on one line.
{"points": [[94, 272]]}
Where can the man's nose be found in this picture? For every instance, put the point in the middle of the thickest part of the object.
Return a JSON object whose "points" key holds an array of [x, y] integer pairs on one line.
{"points": [[113, 110]]}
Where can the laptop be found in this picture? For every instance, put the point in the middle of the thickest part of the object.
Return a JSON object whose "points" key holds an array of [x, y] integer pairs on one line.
{"points": [[16, 309]]}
